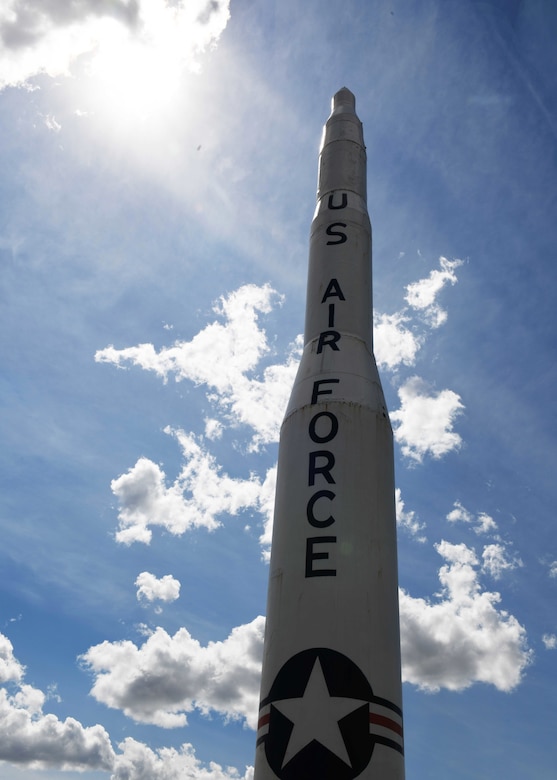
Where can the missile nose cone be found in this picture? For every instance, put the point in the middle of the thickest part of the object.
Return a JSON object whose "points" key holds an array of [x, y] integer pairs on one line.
{"points": [[342, 165], [343, 102]]}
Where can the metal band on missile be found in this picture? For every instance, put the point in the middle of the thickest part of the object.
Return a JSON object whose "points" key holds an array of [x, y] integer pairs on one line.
{"points": [[331, 700]]}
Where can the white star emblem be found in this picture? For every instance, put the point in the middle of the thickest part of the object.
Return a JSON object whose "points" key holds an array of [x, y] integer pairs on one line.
{"points": [[315, 715]]}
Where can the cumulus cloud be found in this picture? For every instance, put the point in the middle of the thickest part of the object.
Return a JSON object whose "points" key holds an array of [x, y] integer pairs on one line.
{"points": [[150, 589], [196, 498], [10, 668], [146, 500], [30, 738], [422, 295], [394, 344], [223, 357], [455, 639], [553, 569], [138, 762], [424, 422], [168, 676], [459, 514], [407, 520], [550, 641], [48, 36], [461, 637], [482, 523]]}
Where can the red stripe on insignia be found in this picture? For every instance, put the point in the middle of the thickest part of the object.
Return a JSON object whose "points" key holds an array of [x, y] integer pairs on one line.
{"points": [[264, 720], [381, 720]]}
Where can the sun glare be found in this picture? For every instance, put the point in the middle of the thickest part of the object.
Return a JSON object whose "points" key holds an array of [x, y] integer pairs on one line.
{"points": [[134, 79], [135, 72]]}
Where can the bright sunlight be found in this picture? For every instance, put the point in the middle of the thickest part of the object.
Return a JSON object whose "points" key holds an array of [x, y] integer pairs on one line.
{"points": [[136, 71]]}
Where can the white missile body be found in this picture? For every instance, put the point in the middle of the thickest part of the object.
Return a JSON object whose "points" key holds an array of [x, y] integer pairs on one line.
{"points": [[331, 700]]}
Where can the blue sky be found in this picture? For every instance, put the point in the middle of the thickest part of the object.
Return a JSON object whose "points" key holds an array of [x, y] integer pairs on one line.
{"points": [[159, 166]]}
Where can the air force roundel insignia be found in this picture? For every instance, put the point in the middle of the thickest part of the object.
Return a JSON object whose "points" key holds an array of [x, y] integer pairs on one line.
{"points": [[322, 719]]}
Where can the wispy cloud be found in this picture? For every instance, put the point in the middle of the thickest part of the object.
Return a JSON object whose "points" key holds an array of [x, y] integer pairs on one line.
{"points": [[400, 336], [223, 357], [550, 641], [407, 519], [496, 560], [422, 295], [481, 523]]}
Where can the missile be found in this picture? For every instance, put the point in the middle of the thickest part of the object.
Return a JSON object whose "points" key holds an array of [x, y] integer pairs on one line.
{"points": [[331, 698]]}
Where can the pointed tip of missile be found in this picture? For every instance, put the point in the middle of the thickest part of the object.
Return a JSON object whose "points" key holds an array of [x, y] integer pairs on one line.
{"points": [[343, 102]]}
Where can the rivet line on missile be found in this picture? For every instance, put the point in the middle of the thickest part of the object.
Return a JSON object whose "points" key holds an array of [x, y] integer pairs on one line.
{"points": [[331, 701]]}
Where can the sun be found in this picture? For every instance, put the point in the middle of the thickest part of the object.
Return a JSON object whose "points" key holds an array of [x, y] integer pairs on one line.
{"points": [[134, 77], [136, 71]]}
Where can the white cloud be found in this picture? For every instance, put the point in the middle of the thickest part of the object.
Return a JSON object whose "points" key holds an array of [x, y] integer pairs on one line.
{"points": [[168, 676], [553, 569], [145, 500], [48, 37], [550, 641], [483, 523], [393, 343], [10, 668], [52, 693], [198, 496], [52, 124], [267, 507], [424, 423], [216, 356], [224, 357], [459, 513], [461, 638], [421, 295], [149, 588], [407, 520], [496, 561], [451, 641], [30, 738], [221, 356], [138, 762], [213, 429]]}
